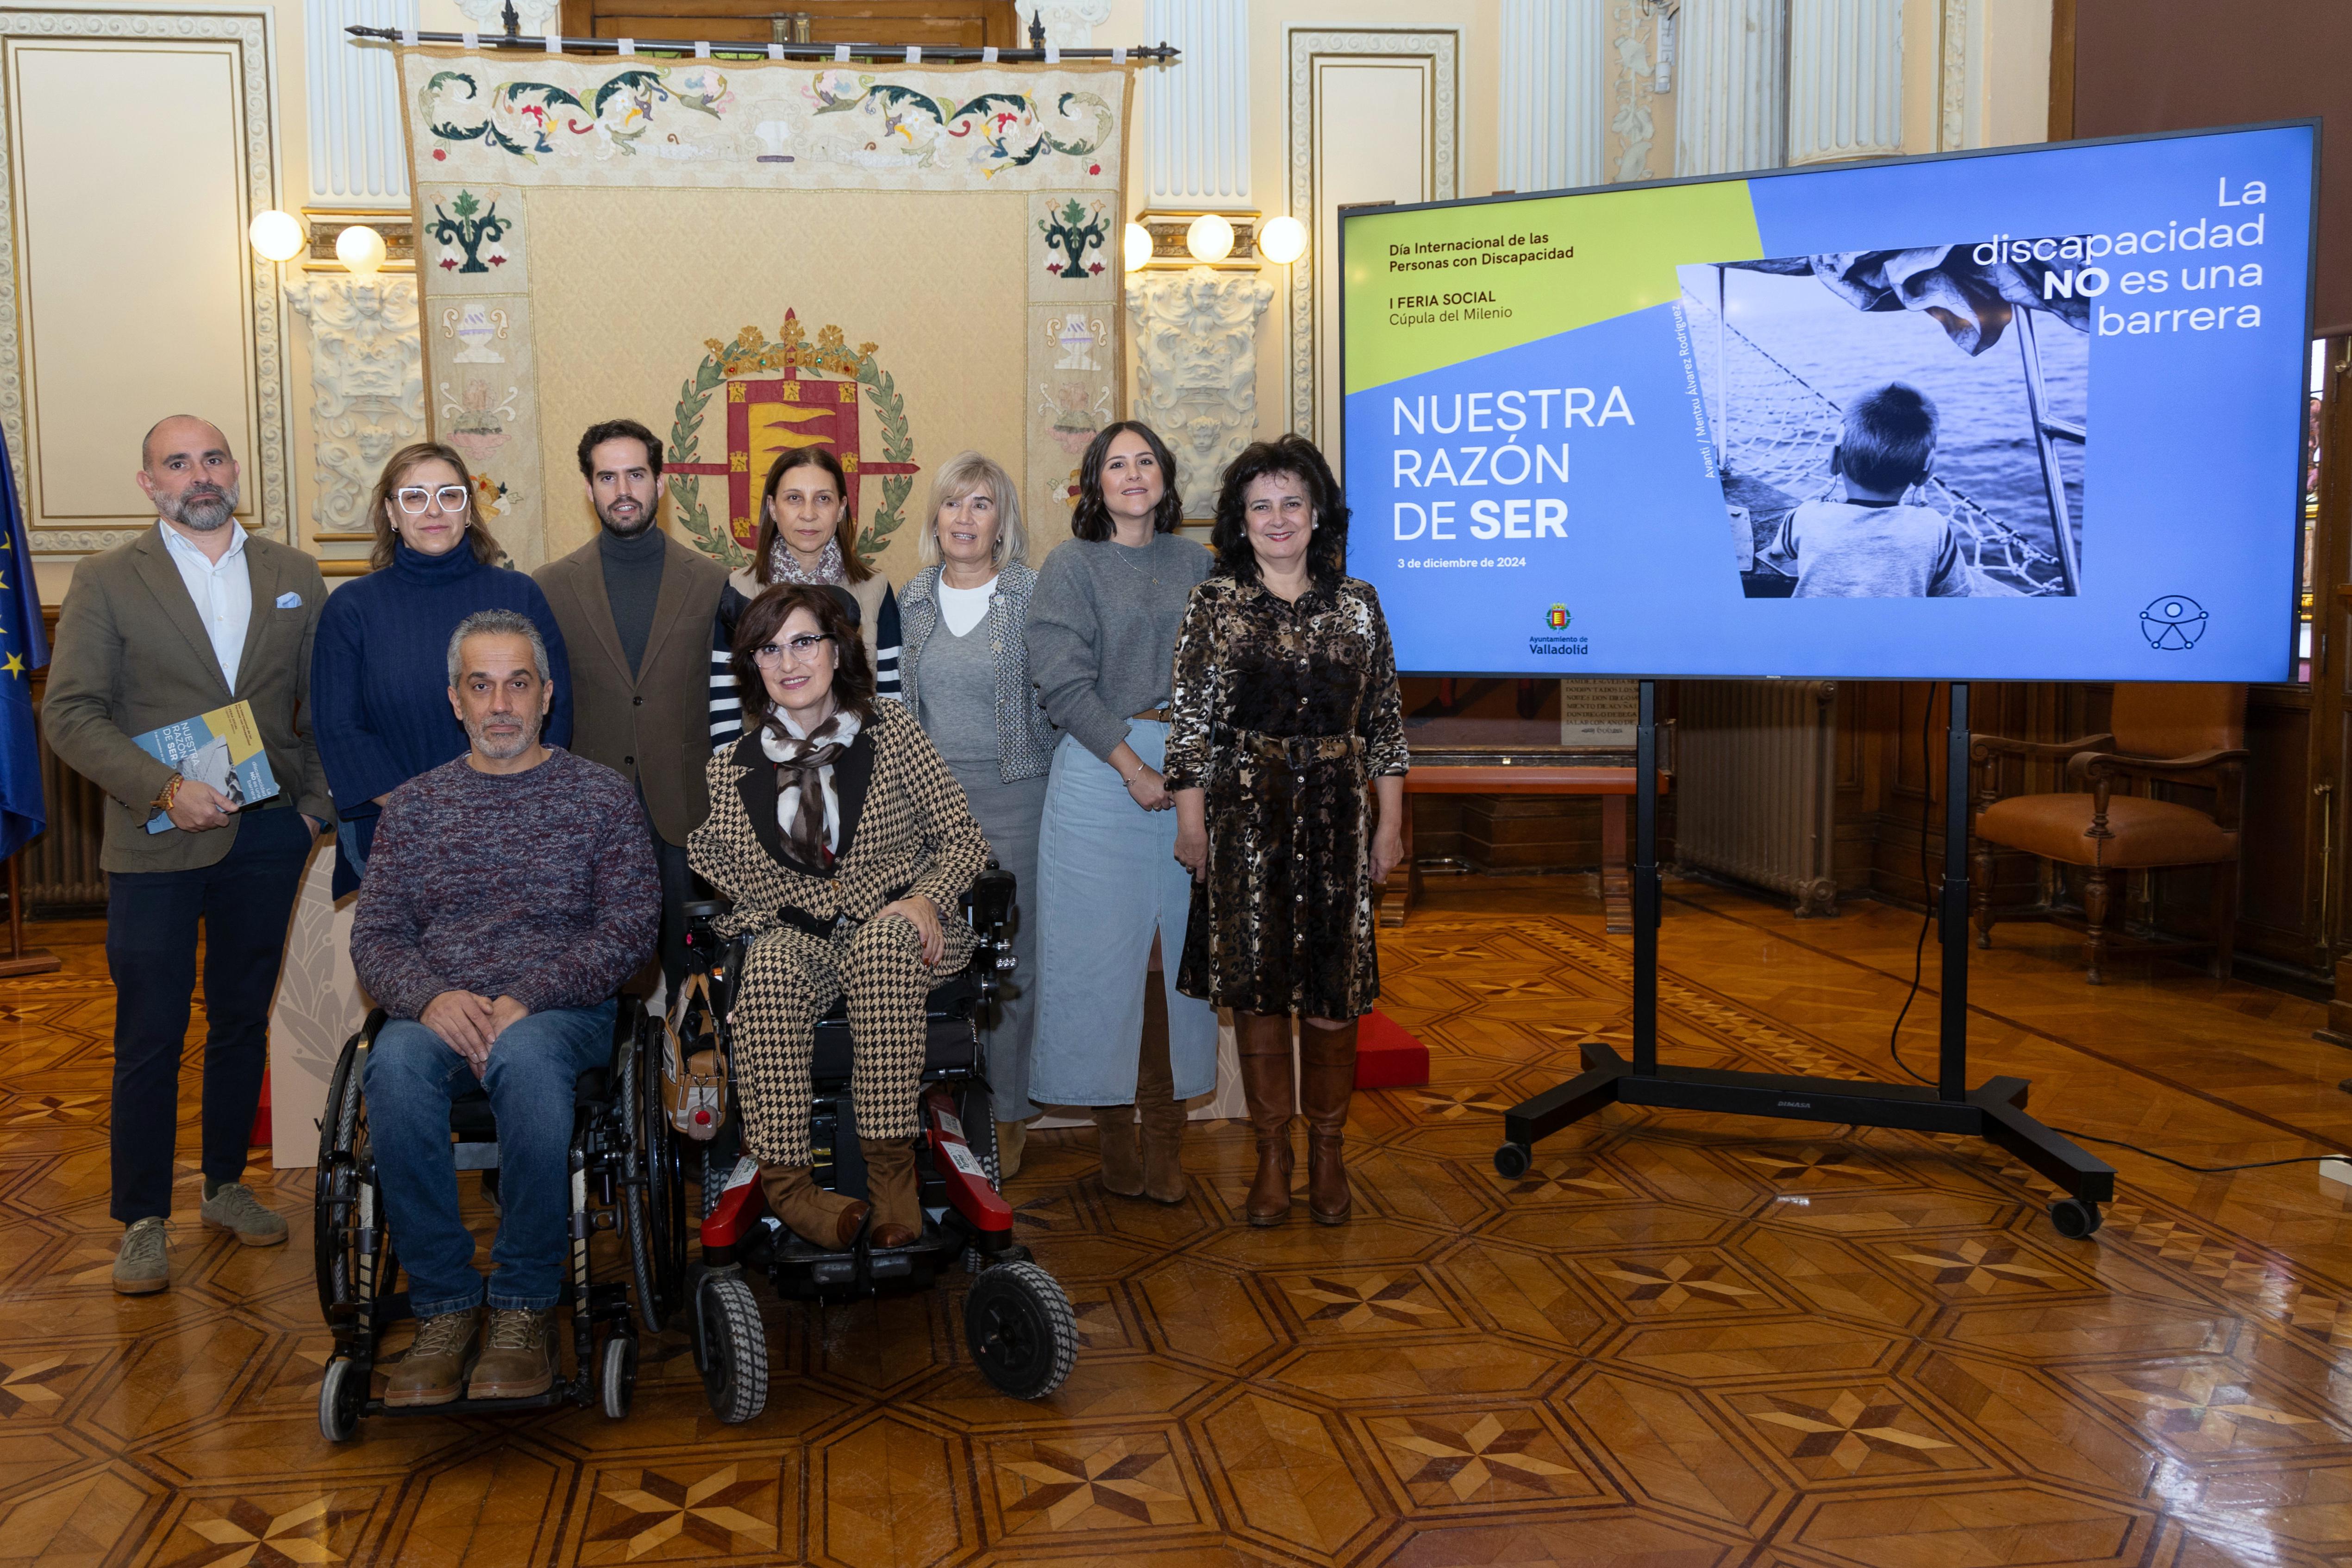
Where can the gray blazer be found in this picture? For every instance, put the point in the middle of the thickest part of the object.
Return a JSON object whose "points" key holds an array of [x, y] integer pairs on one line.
{"points": [[132, 655], [1024, 736]]}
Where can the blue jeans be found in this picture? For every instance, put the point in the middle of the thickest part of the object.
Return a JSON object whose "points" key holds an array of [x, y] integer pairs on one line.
{"points": [[411, 1076]]}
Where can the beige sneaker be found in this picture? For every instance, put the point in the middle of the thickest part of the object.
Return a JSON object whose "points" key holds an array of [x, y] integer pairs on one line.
{"points": [[144, 1266], [517, 1358], [433, 1369], [234, 1207]]}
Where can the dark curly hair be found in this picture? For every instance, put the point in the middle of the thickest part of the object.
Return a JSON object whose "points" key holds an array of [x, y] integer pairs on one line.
{"points": [[1326, 546], [1090, 519], [853, 678]]}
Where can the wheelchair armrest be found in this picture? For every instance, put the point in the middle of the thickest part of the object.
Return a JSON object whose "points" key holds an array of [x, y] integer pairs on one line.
{"points": [[988, 903], [377, 1017]]}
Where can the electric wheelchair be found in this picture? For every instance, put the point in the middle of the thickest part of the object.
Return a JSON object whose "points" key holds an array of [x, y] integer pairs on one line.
{"points": [[620, 1182], [1017, 1321]]}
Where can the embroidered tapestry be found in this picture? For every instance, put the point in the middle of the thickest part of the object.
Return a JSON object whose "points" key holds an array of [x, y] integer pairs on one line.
{"points": [[896, 261]]}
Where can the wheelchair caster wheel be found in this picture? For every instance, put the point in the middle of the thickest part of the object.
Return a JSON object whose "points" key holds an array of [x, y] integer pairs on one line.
{"points": [[1512, 1160], [618, 1378], [341, 1392], [2075, 1218], [1020, 1328], [734, 1347]]}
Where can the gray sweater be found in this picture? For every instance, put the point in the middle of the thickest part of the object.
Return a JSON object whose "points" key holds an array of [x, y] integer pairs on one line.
{"points": [[1102, 632]]}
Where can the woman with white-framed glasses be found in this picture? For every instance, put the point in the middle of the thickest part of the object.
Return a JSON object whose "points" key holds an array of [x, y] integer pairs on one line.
{"points": [[380, 700]]}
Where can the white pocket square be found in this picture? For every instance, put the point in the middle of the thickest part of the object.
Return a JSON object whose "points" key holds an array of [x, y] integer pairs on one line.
{"points": [[289, 602]]}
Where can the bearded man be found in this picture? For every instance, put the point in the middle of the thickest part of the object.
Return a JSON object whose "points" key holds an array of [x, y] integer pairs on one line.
{"points": [[509, 895], [638, 611], [194, 616]]}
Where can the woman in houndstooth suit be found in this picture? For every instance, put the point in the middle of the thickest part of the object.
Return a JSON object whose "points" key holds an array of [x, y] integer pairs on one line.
{"points": [[847, 846]]}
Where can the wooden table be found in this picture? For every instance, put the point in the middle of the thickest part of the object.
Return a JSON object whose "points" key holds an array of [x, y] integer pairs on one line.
{"points": [[1613, 783]]}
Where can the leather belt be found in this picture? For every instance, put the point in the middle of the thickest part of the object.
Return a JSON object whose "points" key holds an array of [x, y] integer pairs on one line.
{"points": [[1152, 714], [1298, 750]]}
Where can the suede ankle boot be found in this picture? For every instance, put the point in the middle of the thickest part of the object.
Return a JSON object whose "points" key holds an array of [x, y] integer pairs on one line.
{"points": [[1263, 1041], [819, 1218], [1155, 1105], [1122, 1162], [891, 1184], [1326, 1079]]}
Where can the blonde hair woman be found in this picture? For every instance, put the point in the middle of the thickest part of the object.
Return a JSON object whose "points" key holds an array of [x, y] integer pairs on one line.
{"points": [[379, 669], [965, 670]]}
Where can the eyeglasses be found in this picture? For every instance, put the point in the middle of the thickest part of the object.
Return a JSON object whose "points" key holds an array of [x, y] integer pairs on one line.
{"points": [[801, 649], [414, 498]]}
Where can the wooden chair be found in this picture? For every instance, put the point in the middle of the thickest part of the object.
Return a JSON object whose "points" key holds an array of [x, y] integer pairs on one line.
{"points": [[2176, 733]]}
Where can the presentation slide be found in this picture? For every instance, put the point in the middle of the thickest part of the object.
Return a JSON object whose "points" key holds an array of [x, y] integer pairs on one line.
{"points": [[2030, 414]]}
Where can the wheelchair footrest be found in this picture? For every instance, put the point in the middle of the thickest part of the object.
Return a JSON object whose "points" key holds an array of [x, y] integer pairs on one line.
{"points": [[562, 1393]]}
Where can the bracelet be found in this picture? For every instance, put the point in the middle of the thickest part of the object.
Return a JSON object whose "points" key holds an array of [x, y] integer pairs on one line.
{"points": [[171, 789]]}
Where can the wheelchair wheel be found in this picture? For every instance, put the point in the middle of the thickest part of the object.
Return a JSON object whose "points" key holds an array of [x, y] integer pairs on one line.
{"points": [[1021, 1331], [617, 1375], [336, 1194], [651, 1221], [734, 1346], [341, 1392]]}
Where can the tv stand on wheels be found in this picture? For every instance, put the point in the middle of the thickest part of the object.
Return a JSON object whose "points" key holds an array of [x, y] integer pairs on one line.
{"points": [[1993, 1111]]}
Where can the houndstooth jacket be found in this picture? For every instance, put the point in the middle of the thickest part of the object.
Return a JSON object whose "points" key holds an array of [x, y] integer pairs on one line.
{"points": [[1024, 736], [905, 828]]}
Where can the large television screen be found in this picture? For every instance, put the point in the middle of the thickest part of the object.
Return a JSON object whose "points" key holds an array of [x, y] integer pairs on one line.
{"points": [[2035, 414]]}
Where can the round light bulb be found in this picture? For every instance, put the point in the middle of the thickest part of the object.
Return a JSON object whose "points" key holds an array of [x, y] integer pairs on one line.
{"points": [[360, 249], [1282, 241], [1211, 238], [1135, 248], [277, 236]]}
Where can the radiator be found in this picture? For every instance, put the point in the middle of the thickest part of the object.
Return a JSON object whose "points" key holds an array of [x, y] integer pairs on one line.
{"points": [[60, 870], [1756, 786]]}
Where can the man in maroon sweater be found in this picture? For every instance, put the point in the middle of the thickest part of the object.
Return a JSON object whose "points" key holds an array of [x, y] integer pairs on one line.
{"points": [[510, 894]]}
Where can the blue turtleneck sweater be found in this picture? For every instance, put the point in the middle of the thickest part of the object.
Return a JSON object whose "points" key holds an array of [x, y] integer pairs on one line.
{"points": [[380, 672]]}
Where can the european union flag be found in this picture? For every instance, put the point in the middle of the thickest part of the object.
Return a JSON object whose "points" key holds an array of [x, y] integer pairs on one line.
{"points": [[24, 648]]}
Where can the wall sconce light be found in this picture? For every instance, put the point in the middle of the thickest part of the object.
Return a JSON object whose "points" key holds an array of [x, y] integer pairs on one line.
{"points": [[277, 236], [1135, 248], [1210, 238], [362, 249], [1282, 240]]}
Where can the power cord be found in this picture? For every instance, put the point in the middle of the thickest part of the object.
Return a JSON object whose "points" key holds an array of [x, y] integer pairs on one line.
{"points": [[1919, 960]]}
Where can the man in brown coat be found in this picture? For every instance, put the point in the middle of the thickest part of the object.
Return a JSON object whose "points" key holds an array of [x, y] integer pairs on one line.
{"points": [[193, 616], [637, 610]]}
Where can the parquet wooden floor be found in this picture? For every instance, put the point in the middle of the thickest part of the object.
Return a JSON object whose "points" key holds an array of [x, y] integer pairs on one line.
{"points": [[1677, 1341]]}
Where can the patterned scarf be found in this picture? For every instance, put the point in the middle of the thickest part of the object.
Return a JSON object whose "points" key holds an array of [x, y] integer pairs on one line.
{"points": [[807, 810], [785, 567]]}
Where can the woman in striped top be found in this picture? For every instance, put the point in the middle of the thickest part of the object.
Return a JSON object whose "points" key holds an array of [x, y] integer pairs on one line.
{"points": [[807, 534]]}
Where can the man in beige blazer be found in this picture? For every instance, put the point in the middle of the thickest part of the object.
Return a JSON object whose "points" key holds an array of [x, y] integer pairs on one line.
{"points": [[638, 611], [192, 616]]}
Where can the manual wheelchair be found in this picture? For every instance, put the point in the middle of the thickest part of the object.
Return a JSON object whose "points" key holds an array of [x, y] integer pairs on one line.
{"points": [[619, 1182], [1017, 1321]]}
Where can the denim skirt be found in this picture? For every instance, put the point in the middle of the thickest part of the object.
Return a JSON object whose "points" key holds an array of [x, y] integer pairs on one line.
{"points": [[1107, 879]]}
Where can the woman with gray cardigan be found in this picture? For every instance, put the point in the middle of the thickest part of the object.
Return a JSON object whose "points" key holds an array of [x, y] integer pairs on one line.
{"points": [[1113, 1032], [964, 667]]}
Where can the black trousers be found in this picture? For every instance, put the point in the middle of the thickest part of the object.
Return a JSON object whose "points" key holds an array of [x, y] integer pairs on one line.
{"points": [[679, 886], [243, 903]]}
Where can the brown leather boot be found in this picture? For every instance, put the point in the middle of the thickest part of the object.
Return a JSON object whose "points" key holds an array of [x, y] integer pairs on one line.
{"points": [[434, 1371], [819, 1218], [890, 1183], [1263, 1041], [1011, 1138], [1122, 1162], [1326, 1078], [518, 1359], [1156, 1103]]}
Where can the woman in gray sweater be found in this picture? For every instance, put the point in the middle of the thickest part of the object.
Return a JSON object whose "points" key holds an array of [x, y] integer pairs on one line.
{"points": [[965, 666], [1113, 1032]]}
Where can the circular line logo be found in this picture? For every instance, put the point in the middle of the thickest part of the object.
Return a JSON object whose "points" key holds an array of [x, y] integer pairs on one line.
{"points": [[2172, 622]]}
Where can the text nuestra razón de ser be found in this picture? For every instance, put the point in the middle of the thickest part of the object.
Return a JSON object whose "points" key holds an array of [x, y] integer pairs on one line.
{"points": [[1510, 463]]}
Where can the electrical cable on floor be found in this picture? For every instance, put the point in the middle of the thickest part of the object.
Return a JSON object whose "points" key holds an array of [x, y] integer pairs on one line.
{"points": [[1919, 960]]}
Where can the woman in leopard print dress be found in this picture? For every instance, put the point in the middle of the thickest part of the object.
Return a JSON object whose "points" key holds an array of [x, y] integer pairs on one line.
{"points": [[1284, 727]]}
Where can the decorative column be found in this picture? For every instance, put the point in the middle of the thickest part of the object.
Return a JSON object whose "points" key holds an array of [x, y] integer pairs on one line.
{"points": [[1845, 79], [1196, 367], [357, 157], [1731, 86], [1553, 112], [367, 386], [1197, 121]]}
